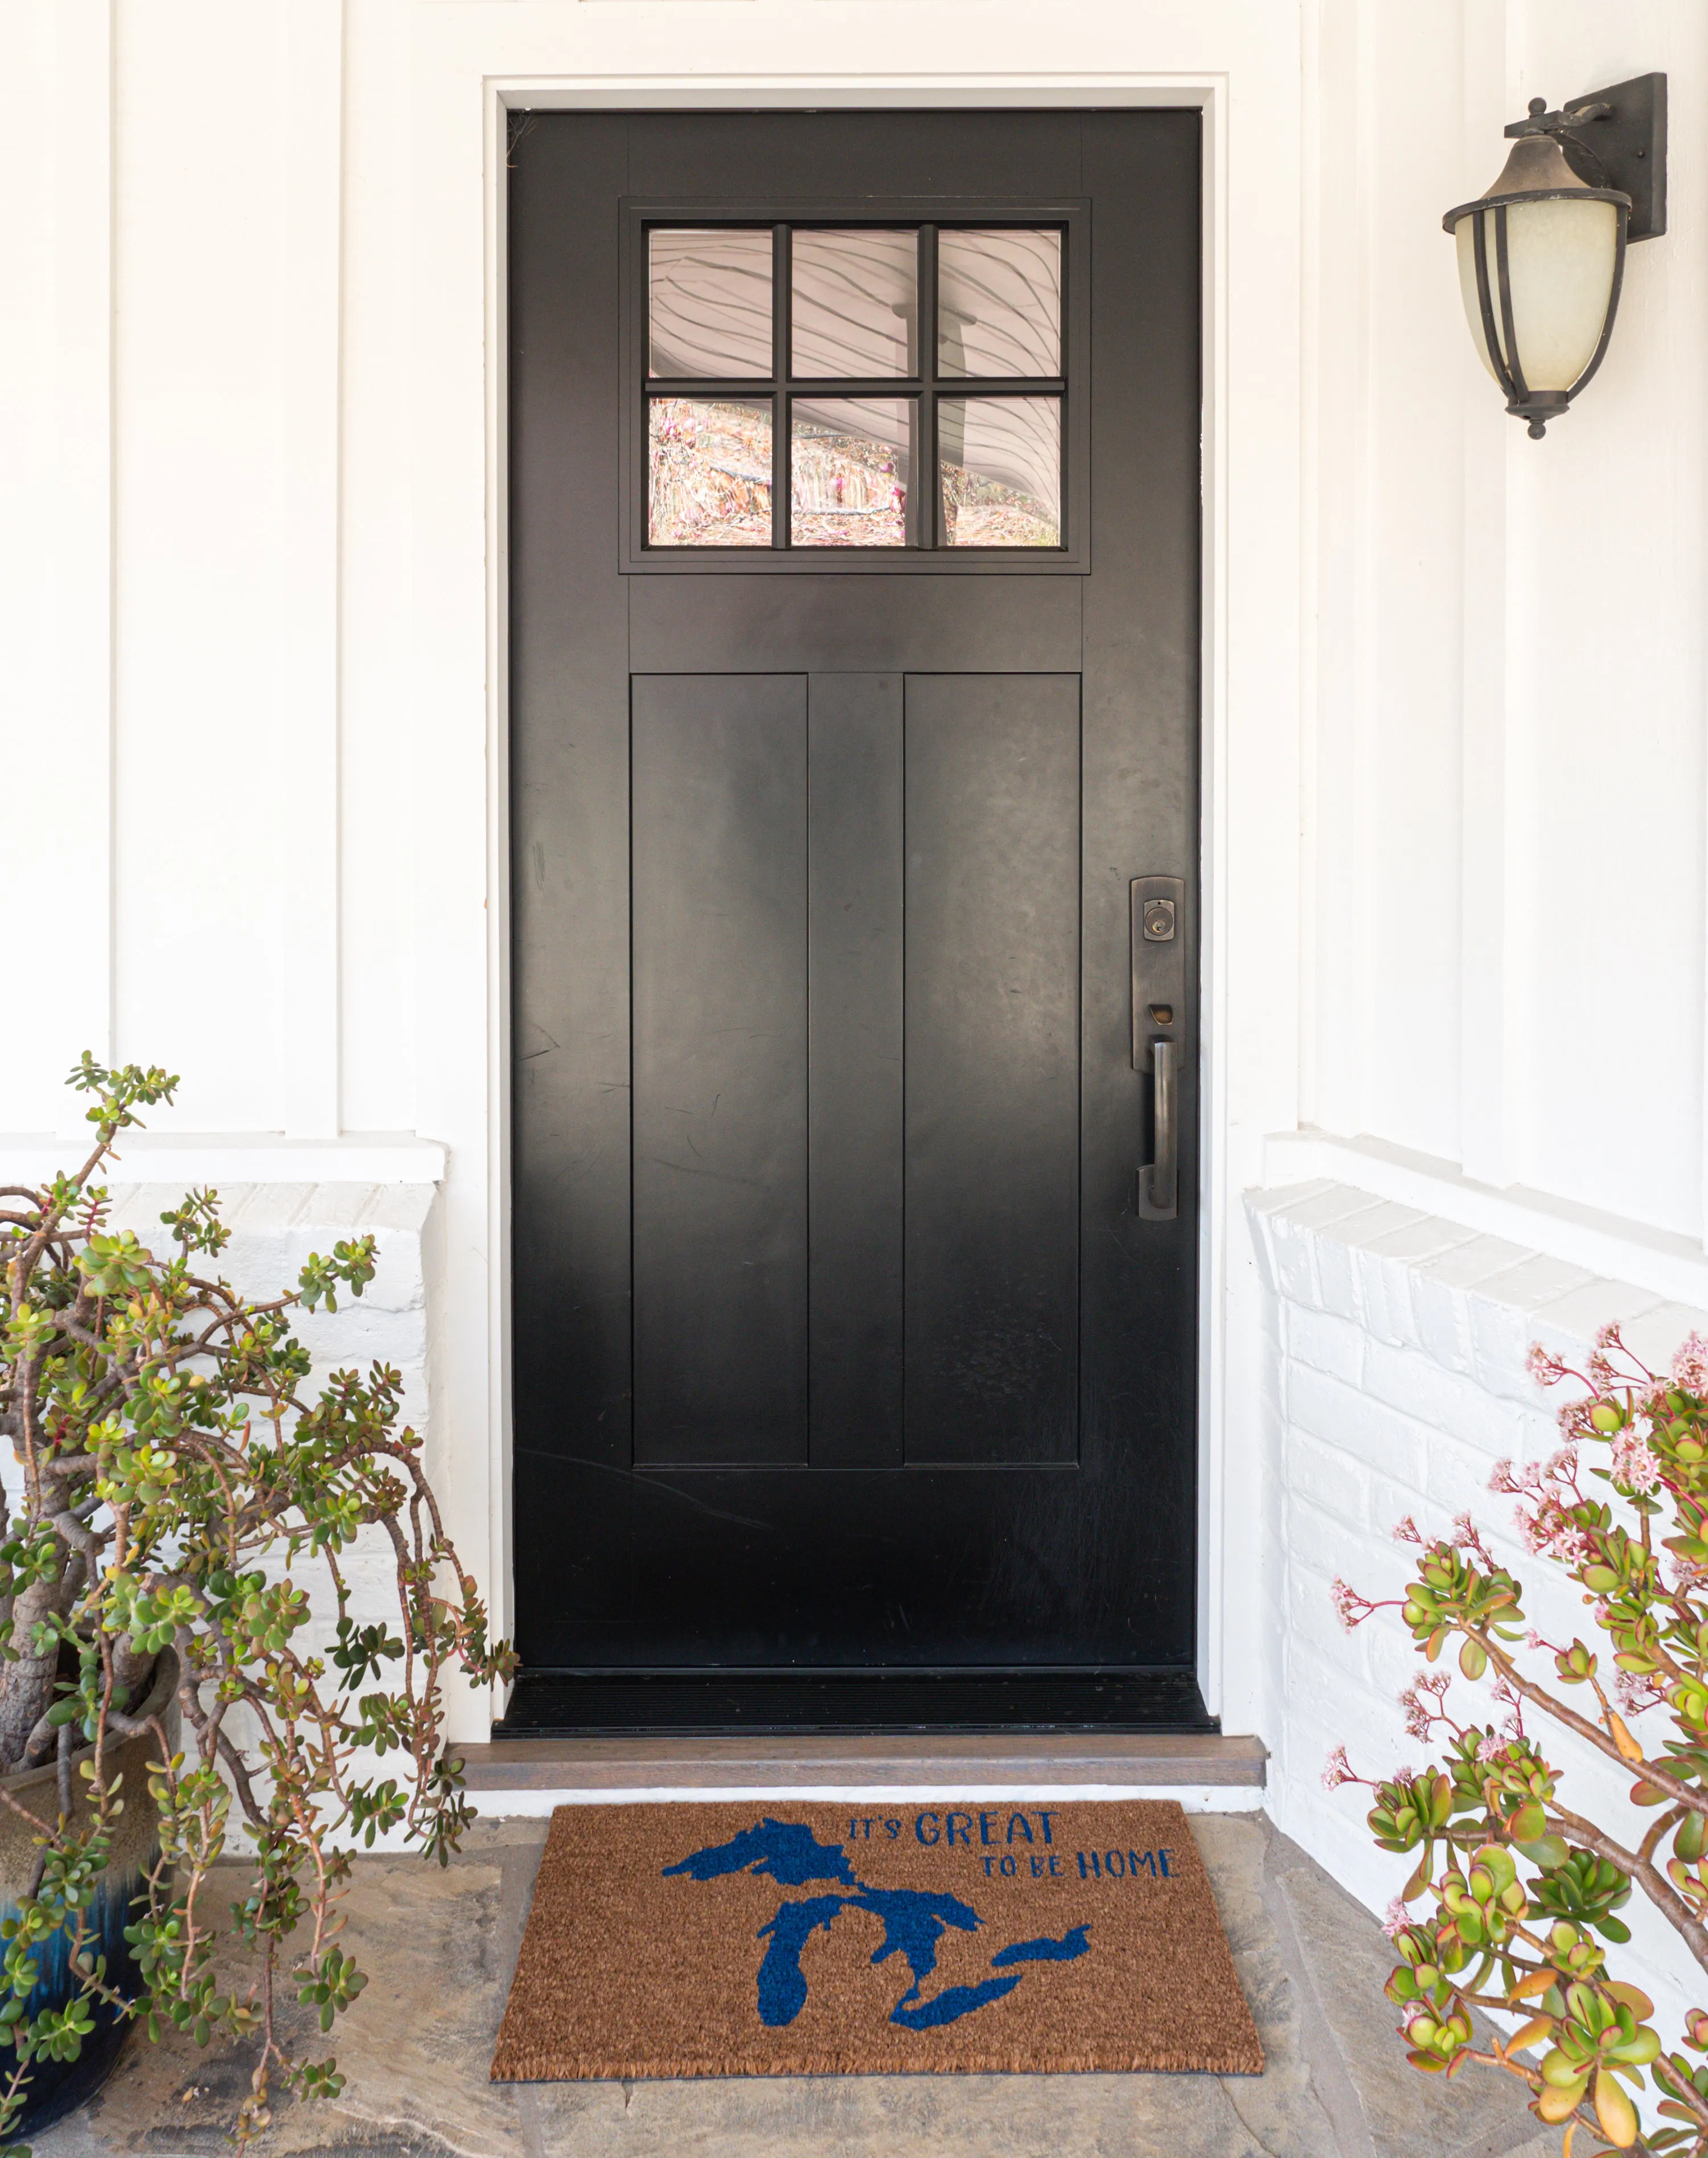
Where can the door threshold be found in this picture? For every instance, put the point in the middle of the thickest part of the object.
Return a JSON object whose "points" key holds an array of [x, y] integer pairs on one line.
{"points": [[571, 1703], [1129, 1760]]}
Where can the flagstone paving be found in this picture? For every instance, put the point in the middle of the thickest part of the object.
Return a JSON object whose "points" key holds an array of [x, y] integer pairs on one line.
{"points": [[439, 1947]]}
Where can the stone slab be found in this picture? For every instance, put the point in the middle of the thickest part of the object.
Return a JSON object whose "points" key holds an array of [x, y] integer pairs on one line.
{"points": [[439, 1947]]}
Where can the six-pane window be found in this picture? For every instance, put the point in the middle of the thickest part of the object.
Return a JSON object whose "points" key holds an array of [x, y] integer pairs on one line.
{"points": [[787, 405]]}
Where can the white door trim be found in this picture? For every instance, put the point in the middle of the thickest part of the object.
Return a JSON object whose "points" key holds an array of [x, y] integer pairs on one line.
{"points": [[1251, 305]]}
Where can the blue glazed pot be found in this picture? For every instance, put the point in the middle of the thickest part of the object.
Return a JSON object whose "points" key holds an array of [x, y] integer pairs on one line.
{"points": [[56, 2088]]}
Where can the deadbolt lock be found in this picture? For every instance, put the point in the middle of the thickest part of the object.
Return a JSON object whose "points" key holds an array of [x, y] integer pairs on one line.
{"points": [[1158, 920]]}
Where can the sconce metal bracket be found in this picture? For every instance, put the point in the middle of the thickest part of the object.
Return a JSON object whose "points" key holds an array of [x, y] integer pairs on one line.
{"points": [[1614, 138]]}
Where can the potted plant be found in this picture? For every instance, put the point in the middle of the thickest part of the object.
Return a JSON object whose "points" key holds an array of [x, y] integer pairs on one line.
{"points": [[171, 1693], [1518, 1892]]}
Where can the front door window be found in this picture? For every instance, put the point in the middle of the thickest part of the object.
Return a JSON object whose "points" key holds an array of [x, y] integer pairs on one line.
{"points": [[789, 408]]}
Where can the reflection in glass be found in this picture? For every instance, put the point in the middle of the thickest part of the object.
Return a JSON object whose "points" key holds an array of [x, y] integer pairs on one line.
{"points": [[707, 473], [709, 302], [847, 478], [1000, 463], [855, 302], [999, 303]]}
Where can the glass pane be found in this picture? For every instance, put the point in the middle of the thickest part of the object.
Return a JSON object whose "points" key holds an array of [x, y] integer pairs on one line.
{"points": [[856, 302], [848, 480], [999, 303], [708, 303], [1000, 461], [708, 473]]}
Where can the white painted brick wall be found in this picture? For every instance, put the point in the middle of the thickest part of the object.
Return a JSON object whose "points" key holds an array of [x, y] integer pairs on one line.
{"points": [[1396, 1346]]}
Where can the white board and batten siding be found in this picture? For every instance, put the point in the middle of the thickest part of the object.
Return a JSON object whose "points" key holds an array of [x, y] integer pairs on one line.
{"points": [[252, 697]]}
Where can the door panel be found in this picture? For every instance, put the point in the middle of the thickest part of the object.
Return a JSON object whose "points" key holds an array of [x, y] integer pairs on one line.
{"points": [[853, 625], [718, 857], [854, 1001], [992, 1067], [862, 153], [571, 1289]]}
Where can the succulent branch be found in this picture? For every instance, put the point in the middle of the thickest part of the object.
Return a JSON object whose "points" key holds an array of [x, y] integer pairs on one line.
{"points": [[1519, 1894], [181, 1484]]}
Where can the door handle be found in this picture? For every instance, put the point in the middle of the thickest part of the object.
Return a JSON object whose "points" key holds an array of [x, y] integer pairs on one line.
{"points": [[1159, 1179], [1159, 985]]}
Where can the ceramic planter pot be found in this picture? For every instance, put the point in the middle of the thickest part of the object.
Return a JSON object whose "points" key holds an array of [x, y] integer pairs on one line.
{"points": [[55, 2087]]}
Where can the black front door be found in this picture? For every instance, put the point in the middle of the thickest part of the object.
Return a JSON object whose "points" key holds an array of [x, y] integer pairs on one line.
{"points": [[854, 488]]}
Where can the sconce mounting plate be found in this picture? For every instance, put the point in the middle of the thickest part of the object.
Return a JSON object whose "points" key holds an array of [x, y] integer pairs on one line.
{"points": [[1623, 131]]}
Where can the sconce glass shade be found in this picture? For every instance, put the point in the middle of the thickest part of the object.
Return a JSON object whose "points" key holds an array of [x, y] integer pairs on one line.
{"points": [[1541, 257]]}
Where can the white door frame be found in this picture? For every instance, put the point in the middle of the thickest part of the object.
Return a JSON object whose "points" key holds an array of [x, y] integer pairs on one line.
{"points": [[477, 62]]}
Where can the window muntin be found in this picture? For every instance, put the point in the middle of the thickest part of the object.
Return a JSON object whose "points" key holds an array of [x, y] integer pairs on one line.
{"points": [[896, 390]]}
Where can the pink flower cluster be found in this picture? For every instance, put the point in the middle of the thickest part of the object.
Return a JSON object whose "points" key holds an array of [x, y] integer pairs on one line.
{"points": [[1538, 1479], [1550, 1487], [1422, 1701], [1634, 1693], [1549, 1532], [1634, 1464], [1336, 1770], [1545, 1369], [1690, 1367], [1350, 1608], [1604, 1375]]}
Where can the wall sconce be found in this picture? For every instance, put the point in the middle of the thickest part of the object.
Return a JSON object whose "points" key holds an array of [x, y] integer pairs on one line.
{"points": [[1542, 255]]}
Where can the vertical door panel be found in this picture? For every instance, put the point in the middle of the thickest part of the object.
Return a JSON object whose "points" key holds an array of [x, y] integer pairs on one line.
{"points": [[855, 883], [719, 848], [1138, 1332], [569, 831], [992, 810]]}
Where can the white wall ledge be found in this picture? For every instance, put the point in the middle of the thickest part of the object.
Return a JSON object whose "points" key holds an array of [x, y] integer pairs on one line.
{"points": [[217, 1158], [1672, 1266]]}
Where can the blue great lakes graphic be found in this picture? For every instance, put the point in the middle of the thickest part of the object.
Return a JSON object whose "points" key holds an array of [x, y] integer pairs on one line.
{"points": [[914, 1920]]}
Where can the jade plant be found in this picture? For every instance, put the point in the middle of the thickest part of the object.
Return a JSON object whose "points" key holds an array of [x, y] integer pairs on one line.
{"points": [[1514, 1897], [180, 1486]]}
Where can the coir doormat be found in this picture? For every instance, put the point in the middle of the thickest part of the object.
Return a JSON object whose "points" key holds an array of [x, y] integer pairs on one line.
{"points": [[782, 1939]]}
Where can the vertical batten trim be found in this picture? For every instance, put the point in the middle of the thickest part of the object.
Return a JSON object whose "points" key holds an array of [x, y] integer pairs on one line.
{"points": [[82, 538], [1370, 126], [1332, 319], [1486, 857], [500, 1539], [1216, 1563], [1312, 108], [309, 335]]}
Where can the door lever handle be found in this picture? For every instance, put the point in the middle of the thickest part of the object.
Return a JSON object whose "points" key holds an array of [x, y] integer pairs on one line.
{"points": [[1159, 1179], [1159, 987]]}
